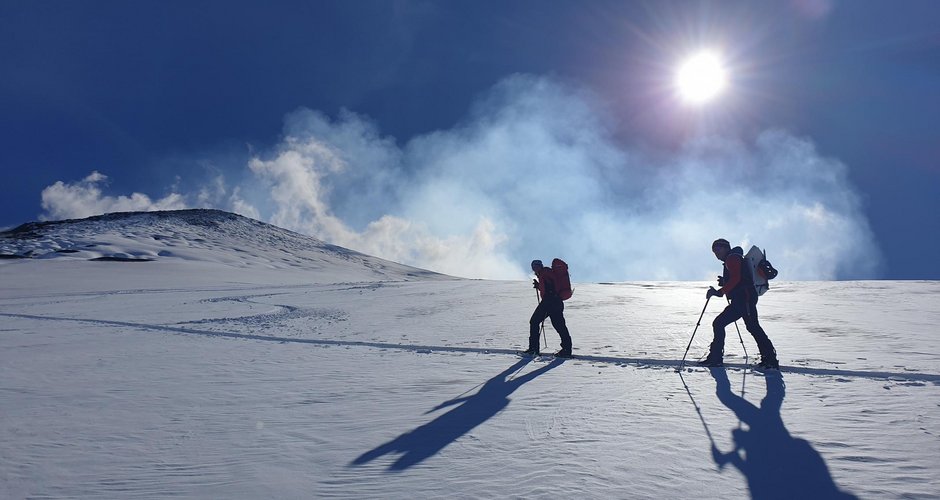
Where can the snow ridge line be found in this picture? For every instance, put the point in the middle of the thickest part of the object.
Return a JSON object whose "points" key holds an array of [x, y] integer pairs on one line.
{"points": [[664, 363], [235, 287]]}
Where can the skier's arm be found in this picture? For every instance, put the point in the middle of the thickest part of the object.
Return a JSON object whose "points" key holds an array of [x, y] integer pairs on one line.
{"points": [[546, 282], [540, 285], [733, 263]]}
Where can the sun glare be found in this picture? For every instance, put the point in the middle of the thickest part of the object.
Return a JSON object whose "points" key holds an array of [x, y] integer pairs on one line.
{"points": [[701, 78]]}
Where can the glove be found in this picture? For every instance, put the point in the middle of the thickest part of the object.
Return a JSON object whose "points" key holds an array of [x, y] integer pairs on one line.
{"points": [[721, 281], [535, 284], [713, 293]]}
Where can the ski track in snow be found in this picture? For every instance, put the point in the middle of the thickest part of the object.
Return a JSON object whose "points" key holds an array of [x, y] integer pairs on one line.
{"points": [[284, 313]]}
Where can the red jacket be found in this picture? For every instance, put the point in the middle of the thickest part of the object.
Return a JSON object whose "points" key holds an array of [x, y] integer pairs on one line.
{"points": [[733, 263], [546, 279], [738, 282]]}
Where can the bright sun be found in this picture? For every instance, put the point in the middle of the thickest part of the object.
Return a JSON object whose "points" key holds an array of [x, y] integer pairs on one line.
{"points": [[701, 77]]}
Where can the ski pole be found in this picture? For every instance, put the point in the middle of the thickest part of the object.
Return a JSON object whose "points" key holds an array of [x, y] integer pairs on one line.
{"points": [[682, 363], [539, 298], [744, 378], [743, 382], [697, 410]]}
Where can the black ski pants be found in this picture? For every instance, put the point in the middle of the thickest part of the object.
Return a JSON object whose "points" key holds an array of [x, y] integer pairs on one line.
{"points": [[737, 309], [550, 307]]}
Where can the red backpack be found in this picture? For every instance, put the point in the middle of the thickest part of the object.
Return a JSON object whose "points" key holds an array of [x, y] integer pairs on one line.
{"points": [[562, 280]]}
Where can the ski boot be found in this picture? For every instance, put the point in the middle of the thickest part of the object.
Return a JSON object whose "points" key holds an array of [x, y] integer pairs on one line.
{"points": [[530, 352], [714, 360], [768, 364]]}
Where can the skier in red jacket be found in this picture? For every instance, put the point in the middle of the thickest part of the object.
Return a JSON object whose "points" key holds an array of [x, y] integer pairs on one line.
{"points": [[551, 306]]}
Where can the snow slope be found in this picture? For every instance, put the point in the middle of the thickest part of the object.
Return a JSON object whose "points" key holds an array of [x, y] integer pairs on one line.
{"points": [[212, 238], [248, 362]]}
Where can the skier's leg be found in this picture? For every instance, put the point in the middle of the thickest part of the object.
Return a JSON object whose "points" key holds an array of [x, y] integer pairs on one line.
{"points": [[764, 345], [717, 349], [558, 322], [538, 316]]}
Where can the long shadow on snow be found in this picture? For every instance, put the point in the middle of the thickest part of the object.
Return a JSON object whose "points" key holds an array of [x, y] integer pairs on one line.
{"points": [[776, 464], [423, 442]]}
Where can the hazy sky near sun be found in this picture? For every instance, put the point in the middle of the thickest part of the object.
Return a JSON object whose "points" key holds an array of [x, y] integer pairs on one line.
{"points": [[472, 137]]}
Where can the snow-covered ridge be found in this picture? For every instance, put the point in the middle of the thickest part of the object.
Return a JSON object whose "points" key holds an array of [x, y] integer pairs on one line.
{"points": [[200, 235]]}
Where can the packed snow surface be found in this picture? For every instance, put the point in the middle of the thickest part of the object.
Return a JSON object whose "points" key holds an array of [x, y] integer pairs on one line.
{"points": [[240, 360]]}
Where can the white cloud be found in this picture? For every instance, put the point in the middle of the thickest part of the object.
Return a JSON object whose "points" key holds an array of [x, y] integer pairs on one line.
{"points": [[84, 199], [300, 176], [242, 207], [534, 173]]}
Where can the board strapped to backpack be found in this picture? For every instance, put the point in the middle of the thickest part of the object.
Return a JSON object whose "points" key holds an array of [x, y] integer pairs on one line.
{"points": [[762, 271]]}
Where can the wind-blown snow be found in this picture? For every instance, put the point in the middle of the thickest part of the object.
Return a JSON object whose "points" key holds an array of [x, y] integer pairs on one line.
{"points": [[255, 364]]}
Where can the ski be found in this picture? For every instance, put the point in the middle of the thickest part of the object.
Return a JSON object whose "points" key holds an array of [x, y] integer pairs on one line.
{"points": [[542, 356]]}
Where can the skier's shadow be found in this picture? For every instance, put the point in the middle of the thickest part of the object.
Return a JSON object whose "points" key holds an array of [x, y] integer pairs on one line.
{"points": [[776, 464], [417, 445]]}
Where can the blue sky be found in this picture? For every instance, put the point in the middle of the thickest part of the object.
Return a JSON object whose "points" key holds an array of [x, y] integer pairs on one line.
{"points": [[474, 136]]}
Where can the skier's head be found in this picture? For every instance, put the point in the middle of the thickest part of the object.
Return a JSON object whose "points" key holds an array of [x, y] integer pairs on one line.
{"points": [[537, 266], [721, 248]]}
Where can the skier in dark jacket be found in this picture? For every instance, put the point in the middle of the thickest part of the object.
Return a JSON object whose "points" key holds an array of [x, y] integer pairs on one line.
{"points": [[550, 306], [738, 285]]}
